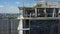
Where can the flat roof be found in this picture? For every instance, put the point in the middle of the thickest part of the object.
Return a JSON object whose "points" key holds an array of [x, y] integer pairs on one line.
{"points": [[43, 5]]}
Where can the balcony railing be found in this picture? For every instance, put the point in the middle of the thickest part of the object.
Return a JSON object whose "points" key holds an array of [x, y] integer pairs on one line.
{"points": [[42, 15]]}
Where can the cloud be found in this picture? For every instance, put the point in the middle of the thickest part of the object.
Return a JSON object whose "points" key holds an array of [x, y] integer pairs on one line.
{"points": [[10, 9], [13, 9], [17, 2], [1, 6]]}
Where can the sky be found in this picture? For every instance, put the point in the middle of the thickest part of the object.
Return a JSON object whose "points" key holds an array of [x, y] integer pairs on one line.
{"points": [[11, 6]]}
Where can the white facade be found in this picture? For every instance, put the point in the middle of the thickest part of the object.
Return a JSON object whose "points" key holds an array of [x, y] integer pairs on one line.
{"points": [[50, 4], [20, 26]]}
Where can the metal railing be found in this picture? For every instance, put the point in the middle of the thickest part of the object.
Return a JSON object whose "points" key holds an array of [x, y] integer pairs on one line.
{"points": [[42, 15]]}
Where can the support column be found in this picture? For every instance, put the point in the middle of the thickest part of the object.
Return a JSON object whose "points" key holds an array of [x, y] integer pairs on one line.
{"points": [[20, 26], [53, 13], [45, 12], [35, 12], [59, 13], [59, 22]]}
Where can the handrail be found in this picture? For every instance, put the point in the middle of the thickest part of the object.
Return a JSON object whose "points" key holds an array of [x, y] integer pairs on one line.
{"points": [[41, 15]]}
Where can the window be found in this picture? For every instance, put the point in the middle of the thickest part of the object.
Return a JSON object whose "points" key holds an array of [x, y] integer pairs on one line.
{"points": [[26, 23], [49, 12], [29, 13], [26, 32], [40, 12], [44, 26]]}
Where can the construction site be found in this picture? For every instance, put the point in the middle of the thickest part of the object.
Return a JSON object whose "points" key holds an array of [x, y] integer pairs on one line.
{"points": [[42, 18]]}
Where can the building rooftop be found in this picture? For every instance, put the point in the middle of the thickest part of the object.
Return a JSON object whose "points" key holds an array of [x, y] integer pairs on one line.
{"points": [[43, 4]]}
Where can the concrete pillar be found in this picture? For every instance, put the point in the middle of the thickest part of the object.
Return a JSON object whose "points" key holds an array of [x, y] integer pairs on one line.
{"points": [[53, 13], [35, 12], [20, 26], [59, 12], [59, 22], [45, 12]]}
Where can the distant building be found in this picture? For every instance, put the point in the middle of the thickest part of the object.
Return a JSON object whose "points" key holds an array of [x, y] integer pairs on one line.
{"points": [[9, 23]]}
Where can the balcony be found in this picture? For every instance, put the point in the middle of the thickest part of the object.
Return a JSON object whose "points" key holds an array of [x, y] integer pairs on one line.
{"points": [[42, 13], [42, 16]]}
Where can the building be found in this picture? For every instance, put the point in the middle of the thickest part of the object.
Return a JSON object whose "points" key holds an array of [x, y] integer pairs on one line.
{"points": [[9, 23], [43, 18]]}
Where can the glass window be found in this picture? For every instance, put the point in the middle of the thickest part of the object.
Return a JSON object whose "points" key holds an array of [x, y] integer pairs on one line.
{"points": [[56, 9], [26, 23], [26, 32], [29, 13], [49, 12], [44, 27], [40, 12]]}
